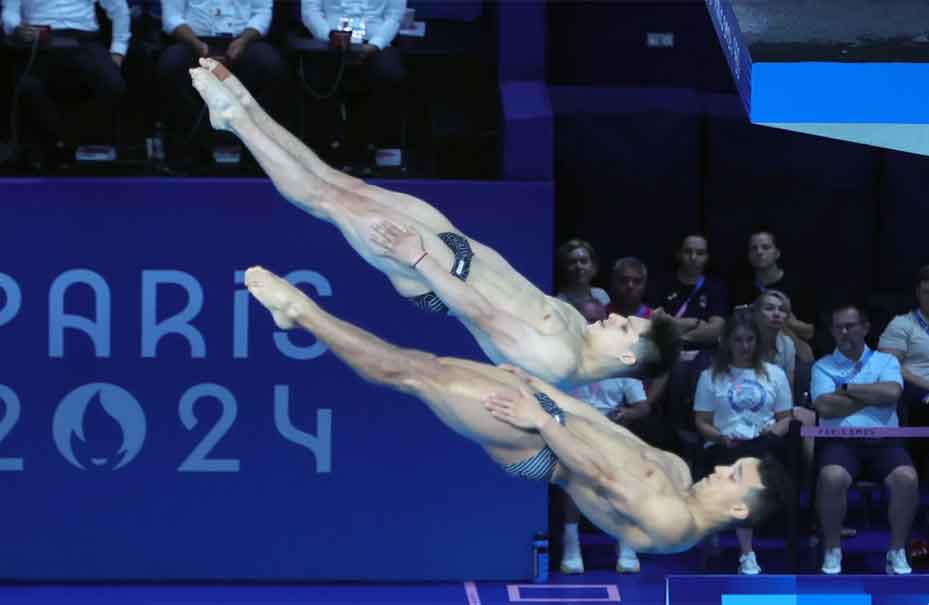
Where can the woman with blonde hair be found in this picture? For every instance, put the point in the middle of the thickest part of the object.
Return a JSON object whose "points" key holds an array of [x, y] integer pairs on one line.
{"points": [[771, 311]]}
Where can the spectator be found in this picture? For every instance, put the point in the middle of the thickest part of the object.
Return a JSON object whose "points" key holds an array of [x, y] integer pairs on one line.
{"points": [[576, 267], [906, 337], [627, 288], [763, 256], [697, 300], [771, 312], [231, 31], [86, 70], [742, 407], [623, 400], [628, 282], [374, 25], [858, 387]]}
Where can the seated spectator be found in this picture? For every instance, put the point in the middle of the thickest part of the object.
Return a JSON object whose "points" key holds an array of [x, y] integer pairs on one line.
{"points": [[742, 407], [623, 400], [86, 70], [697, 300], [628, 281], [627, 288], [858, 387], [232, 32], [374, 25], [906, 337], [763, 256], [576, 266], [771, 312]]}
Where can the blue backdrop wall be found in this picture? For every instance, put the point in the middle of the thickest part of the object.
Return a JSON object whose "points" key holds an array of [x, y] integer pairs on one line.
{"points": [[155, 424]]}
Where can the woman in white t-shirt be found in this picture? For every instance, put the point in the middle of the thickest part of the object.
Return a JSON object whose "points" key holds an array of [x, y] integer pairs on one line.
{"points": [[742, 407]]}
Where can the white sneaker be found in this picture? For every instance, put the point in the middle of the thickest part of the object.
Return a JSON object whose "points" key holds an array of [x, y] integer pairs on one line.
{"points": [[748, 565], [896, 563], [627, 562], [572, 562], [832, 561]]}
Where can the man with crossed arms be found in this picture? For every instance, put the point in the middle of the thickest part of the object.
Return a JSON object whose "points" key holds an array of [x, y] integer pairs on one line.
{"points": [[858, 387]]}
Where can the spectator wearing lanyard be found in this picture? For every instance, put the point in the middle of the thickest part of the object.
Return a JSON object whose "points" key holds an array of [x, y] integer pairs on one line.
{"points": [[906, 337], [763, 256], [699, 301], [858, 387]]}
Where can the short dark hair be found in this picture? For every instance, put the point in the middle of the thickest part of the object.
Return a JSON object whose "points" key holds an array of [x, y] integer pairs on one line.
{"points": [[921, 276], [862, 310], [766, 230], [775, 492], [658, 348], [700, 234]]}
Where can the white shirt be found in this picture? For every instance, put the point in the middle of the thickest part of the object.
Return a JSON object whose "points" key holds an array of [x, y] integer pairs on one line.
{"points": [[378, 19], [216, 17], [69, 14], [607, 395], [743, 402], [905, 334], [835, 369]]}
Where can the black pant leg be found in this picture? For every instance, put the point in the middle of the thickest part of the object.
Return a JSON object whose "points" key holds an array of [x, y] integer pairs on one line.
{"points": [[39, 117], [183, 113]]}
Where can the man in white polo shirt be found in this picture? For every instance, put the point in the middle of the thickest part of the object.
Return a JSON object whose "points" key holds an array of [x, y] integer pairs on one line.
{"points": [[84, 69], [232, 31], [907, 339], [856, 386]]}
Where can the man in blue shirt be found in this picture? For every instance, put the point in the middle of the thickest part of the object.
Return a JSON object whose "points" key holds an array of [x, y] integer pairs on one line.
{"points": [[856, 387], [85, 68], [233, 32]]}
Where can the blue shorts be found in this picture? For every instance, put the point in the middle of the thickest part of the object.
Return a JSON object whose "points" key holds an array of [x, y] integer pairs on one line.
{"points": [[876, 457]]}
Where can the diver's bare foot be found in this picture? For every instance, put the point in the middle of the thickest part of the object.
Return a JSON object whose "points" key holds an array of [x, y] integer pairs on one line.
{"points": [[225, 109], [285, 302], [229, 80]]}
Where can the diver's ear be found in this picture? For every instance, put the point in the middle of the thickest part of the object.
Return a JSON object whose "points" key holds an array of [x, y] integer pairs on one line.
{"points": [[628, 358], [739, 511]]}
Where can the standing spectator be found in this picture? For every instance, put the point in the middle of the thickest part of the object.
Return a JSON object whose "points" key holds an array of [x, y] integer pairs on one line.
{"points": [[699, 301], [906, 337], [231, 31], [86, 70], [742, 407], [859, 388], [374, 25], [763, 256]]}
